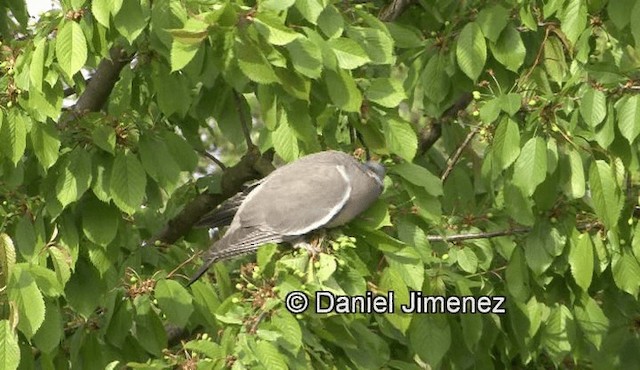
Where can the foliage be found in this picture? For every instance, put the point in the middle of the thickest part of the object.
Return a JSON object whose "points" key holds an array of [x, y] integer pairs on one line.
{"points": [[536, 202]]}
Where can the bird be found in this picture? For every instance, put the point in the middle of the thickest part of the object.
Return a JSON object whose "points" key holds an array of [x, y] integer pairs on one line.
{"points": [[318, 191]]}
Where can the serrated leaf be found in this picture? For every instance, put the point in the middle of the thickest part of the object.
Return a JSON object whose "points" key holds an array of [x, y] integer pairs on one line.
{"points": [[306, 57], [269, 356], [182, 54], [605, 192], [420, 176], [401, 138], [74, 178], [626, 272], [559, 328], [629, 117], [343, 91], [506, 143], [530, 168], [310, 9], [104, 137], [467, 260], [576, 184], [103, 9], [471, 50], [7, 258], [285, 142], [253, 63], [574, 19], [150, 332], [29, 302], [45, 142], [181, 152], [492, 21], [99, 221], [330, 22], [592, 321], [71, 48], [390, 280], [511, 103], [36, 67], [159, 163], [13, 135], [349, 53], [593, 107], [509, 49], [132, 19], [205, 347], [9, 349], [435, 80], [274, 30], [554, 59], [128, 182], [174, 300], [377, 44], [386, 92], [581, 260], [288, 325], [430, 337]]}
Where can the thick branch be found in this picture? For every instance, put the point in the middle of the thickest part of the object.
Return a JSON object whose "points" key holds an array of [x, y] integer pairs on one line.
{"points": [[252, 166], [102, 82]]}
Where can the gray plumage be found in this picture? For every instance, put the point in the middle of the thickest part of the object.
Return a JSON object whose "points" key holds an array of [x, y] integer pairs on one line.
{"points": [[321, 190]]}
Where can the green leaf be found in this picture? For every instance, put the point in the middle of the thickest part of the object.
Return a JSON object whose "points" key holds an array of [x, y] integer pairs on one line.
{"points": [[181, 151], [285, 142], [506, 143], [102, 9], [276, 5], [430, 337], [306, 57], [13, 135], [573, 19], [349, 53], [492, 21], [377, 44], [517, 276], [629, 117], [531, 166], [104, 137], [174, 300], [509, 49], [420, 176], [150, 332], [618, 12], [46, 280], [269, 356], [287, 324], [559, 328], [401, 138], [581, 260], [471, 50], [9, 349], [274, 30], [128, 182], [554, 59], [593, 107], [391, 280], [330, 22], [132, 19], [182, 53], [28, 299], [310, 9], [99, 221], [490, 110], [576, 184], [74, 178], [206, 347], [158, 162], [511, 103], [386, 91], [605, 193], [7, 257], [405, 36], [45, 142], [435, 80], [253, 63], [592, 321], [343, 91], [467, 260], [626, 272], [635, 27], [36, 67], [71, 48]]}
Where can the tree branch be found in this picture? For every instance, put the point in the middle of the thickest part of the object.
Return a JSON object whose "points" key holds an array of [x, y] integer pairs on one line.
{"points": [[253, 165], [394, 10]]}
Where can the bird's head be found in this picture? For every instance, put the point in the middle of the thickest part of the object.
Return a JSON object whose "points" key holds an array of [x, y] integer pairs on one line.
{"points": [[376, 170]]}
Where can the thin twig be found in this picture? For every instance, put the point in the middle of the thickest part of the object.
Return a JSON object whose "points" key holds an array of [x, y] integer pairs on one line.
{"points": [[243, 122], [456, 156], [254, 327], [184, 263], [213, 159], [494, 234]]}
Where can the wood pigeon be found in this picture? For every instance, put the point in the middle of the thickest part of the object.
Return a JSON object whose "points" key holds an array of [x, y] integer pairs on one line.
{"points": [[321, 190]]}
